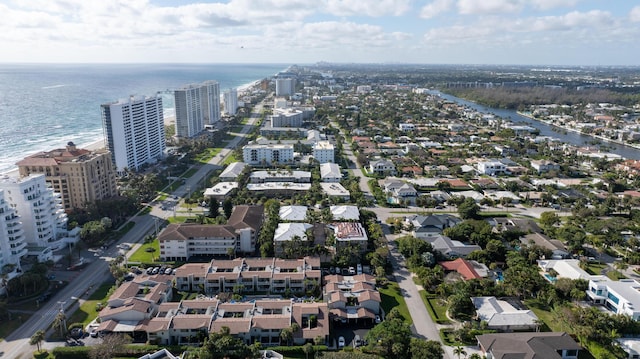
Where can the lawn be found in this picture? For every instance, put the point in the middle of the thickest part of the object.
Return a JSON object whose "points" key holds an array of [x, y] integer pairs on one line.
{"points": [[8, 326], [231, 157], [88, 310], [143, 256], [437, 312], [595, 268], [392, 297]]}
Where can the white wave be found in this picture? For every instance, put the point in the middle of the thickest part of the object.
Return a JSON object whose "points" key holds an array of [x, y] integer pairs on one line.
{"points": [[52, 87]]}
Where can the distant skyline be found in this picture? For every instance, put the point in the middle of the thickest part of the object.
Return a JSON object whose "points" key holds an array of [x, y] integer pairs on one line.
{"points": [[530, 32]]}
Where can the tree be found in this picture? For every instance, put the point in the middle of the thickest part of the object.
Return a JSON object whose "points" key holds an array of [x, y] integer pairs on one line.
{"points": [[307, 349], [469, 209], [227, 207], [391, 337], [110, 346], [60, 323], [37, 338], [459, 351], [214, 208], [421, 349]]}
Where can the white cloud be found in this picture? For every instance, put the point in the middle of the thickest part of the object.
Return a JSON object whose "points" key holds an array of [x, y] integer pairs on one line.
{"points": [[374, 8], [634, 14], [551, 4], [573, 20], [435, 8], [474, 7]]}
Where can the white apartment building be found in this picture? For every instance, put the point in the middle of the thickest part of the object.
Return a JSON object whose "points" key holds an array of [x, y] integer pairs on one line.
{"points": [[134, 131], [267, 154], [324, 152], [12, 240], [197, 105], [286, 118], [231, 101], [285, 86], [40, 209]]}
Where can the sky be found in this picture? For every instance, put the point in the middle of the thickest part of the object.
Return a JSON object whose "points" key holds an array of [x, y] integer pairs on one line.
{"points": [[527, 32]]}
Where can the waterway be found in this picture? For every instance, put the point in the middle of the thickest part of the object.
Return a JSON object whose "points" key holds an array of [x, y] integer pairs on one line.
{"points": [[573, 138]]}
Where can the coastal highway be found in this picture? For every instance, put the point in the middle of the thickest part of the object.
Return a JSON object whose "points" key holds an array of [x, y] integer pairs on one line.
{"points": [[16, 345]]}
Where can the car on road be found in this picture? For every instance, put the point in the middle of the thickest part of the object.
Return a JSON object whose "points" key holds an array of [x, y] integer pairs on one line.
{"points": [[341, 342]]}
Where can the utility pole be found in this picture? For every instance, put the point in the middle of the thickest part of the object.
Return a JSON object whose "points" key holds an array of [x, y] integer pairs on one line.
{"points": [[63, 329]]}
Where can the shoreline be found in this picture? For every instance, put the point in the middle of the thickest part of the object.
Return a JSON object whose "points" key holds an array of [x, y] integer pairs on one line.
{"points": [[99, 144], [575, 130]]}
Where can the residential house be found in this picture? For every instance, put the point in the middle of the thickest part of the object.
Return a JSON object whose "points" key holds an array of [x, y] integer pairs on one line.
{"points": [[286, 232], [399, 192], [330, 172], [382, 167], [564, 268], [502, 316], [619, 297], [232, 171], [335, 190], [345, 213], [450, 248], [555, 246], [293, 213], [431, 225], [491, 168], [547, 345], [465, 269], [544, 166], [347, 233]]}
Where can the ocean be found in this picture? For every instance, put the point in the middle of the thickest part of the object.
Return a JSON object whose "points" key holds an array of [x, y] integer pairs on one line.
{"points": [[44, 106]]}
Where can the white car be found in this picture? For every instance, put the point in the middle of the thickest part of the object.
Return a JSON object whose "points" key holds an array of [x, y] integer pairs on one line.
{"points": [[341, 342], [378, 320]]}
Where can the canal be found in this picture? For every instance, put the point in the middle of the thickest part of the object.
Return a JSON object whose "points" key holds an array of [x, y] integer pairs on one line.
{"points": [[573, 138]]}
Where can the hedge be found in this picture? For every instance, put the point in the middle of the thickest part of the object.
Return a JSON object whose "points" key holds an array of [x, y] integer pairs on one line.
{"points": [[296, 349]]}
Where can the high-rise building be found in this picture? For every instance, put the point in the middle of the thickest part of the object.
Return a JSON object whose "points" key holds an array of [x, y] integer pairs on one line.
{"points": [[40, 209], [285, 86], [134, 131], [81, 176], [197, 105], [231, 101], [12, 241]]}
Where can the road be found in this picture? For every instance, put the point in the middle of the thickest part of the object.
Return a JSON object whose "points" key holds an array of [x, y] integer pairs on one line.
{"points": [[16, 345], [356, 169]]}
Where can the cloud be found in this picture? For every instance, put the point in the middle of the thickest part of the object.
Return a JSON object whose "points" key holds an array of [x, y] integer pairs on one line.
{"points": [[573, 20], [634, 14], [435, 8], [475, 7], [551, 4], [366, 8]]}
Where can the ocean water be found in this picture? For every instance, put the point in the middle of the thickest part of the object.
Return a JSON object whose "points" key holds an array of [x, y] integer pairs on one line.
{"points": [[44, 106]]}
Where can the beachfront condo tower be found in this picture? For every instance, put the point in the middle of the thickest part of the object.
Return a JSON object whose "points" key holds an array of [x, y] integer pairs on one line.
{"points": [[231, 102], [197, 105], [80, 176], [285, 86], [44, 222], [134, 131], [12, 241]]}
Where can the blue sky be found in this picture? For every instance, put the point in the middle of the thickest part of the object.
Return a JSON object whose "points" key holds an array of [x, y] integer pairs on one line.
{"points": [[532, 32]]}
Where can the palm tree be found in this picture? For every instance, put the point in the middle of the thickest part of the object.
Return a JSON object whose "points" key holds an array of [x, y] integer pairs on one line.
{"points": [[459, 351], [59, 322], [37, 338]]}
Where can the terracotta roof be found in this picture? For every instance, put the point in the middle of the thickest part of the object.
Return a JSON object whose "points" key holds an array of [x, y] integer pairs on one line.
{"points": [[463, 267], [107, 325], [235, 325], [125, 290], [246, 216], [185, 231], [369, 295], [191, 321], [271, 321], [197, 269], [158, 324], [320, 310]]}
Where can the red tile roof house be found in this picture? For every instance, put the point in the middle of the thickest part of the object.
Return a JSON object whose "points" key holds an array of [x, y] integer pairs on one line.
{"points": [[461, 266]]}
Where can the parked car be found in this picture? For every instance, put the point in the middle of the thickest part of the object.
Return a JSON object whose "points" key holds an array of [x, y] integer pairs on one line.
{"points": [[168, 271], [341, 342], [378, 319], [357, 341], [155, 270], [149, 270], [94, 333]]}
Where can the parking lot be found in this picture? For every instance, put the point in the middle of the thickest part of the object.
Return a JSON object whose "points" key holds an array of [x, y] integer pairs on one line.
{"points": [[349, 331]]}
